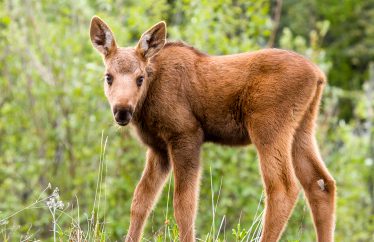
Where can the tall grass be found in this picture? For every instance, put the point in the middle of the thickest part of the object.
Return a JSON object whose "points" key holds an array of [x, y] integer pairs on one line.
{"points": [[94, 230]]}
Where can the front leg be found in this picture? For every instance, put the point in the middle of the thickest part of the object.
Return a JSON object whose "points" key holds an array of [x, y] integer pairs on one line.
{"points": [[184, 153], [154, 175]]}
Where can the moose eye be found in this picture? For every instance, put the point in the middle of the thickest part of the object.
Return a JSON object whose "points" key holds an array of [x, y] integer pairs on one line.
{"points": [[139, 81], [109, 79]]}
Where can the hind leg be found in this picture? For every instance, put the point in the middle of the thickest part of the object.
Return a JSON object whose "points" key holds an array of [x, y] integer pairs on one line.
{"points": [[274, 143], [318, 184]]}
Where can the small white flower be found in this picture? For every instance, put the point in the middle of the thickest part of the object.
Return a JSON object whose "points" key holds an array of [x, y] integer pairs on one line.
{"points": [[55, 193], [60, 205], [54, 201]]}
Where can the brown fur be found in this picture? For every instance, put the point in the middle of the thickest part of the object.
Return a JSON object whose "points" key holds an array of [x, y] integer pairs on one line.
{"points": [[269, 98]]}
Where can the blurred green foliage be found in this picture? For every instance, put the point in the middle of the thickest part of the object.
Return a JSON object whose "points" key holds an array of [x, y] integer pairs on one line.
{"points": [[349, 42], [53, 112]]}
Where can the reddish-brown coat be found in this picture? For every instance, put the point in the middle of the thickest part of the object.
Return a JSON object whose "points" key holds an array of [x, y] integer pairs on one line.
{"points": [[269, 98]]}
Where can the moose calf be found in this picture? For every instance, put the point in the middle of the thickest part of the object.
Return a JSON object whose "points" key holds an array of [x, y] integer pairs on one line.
{"points": [[177, 98]]}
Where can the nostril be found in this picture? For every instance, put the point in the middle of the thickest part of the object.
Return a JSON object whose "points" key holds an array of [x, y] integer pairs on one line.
{"points": [[122, 115]]}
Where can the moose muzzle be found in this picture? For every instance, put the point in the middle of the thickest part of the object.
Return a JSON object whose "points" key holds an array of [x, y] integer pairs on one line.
{"points": [[122, 115]]}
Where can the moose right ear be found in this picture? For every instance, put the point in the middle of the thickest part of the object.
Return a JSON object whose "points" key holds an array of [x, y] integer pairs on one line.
{"points": [[102, 37]]}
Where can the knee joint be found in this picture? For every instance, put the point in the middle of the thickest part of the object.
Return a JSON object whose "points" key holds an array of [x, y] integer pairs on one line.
{"points": [[327, 185]]}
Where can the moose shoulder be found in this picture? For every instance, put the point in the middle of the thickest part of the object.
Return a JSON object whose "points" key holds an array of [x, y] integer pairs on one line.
{"points": [[177, 98]]}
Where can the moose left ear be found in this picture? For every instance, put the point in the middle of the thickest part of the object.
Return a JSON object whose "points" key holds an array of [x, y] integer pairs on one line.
{"points": [[152, 40]]}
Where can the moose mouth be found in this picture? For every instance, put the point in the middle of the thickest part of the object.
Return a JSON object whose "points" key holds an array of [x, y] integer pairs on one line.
{"points": [[123, 123]]}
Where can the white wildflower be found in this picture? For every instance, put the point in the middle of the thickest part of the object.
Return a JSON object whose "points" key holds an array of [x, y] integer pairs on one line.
{"points": [[54, 201]]}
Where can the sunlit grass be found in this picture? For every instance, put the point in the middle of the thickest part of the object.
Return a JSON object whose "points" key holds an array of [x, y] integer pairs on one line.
{"points": [[94, 229]]}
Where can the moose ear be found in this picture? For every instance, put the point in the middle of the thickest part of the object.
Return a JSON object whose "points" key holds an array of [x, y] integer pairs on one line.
{"points": [[102, 37], [152, 40]]}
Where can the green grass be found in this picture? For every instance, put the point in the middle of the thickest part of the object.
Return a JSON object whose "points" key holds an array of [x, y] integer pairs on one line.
{"points": [[92, 226]]}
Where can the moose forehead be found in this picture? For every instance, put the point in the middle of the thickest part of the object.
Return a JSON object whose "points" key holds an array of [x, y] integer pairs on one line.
{"points": [[124, 60]]}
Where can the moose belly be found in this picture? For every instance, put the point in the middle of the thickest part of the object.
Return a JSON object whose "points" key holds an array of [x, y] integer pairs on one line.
{"points": [[227, 135]]}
